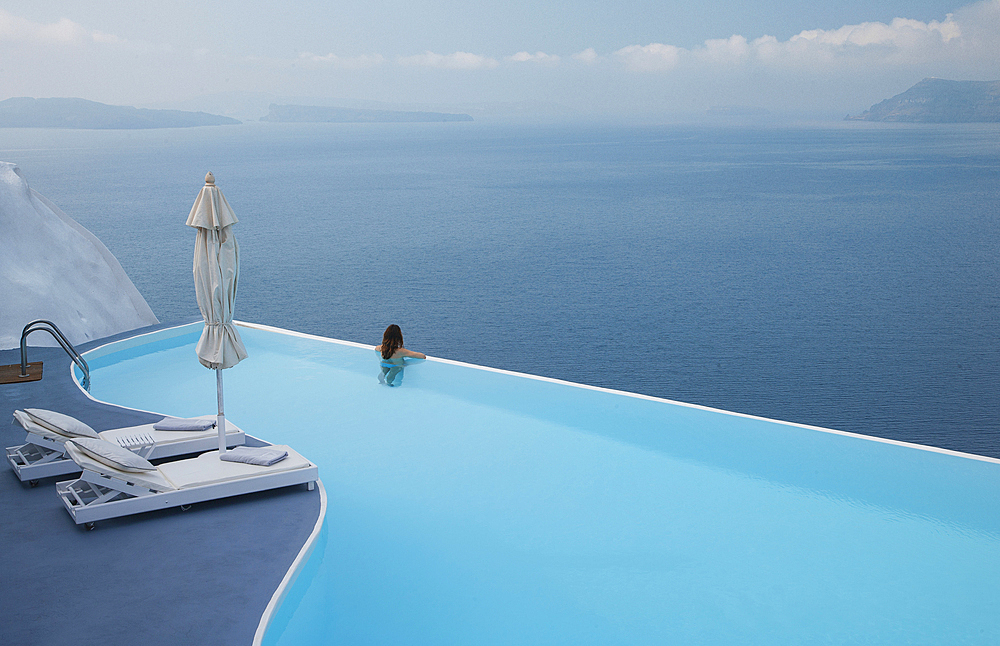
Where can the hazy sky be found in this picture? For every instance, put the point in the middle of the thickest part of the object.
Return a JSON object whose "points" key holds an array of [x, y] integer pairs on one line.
{"points": [[592, 55]]}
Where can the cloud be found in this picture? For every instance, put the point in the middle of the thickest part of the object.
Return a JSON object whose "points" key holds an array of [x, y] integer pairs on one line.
{"points": [[537, 57], [969, 35], [65, 31], [656, 57], [362, 61], [900, 32], [980, 24], [815, 67], [734, 48], [456, 61], [588, 56]]}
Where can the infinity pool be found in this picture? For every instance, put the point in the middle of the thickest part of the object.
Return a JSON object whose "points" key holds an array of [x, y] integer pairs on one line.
{"points": [[472, 506]]}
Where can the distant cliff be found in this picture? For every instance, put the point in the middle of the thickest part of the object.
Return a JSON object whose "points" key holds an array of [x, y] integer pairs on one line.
{"points": [[320, 114], [940, 101], [25, 112]]}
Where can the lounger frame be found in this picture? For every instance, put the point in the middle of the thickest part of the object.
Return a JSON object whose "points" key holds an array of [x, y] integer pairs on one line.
{"points": [[93, 496], [40, 457]]}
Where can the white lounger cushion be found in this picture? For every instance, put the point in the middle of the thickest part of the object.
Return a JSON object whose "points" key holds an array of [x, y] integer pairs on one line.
{"points": [[26, 422], [113, 435], [59, 423], [113, 455], [205, 469], [162, 437], [149, 479]]}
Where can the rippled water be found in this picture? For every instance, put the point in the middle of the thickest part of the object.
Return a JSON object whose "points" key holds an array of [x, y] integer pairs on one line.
{"points": [[841, 275]]}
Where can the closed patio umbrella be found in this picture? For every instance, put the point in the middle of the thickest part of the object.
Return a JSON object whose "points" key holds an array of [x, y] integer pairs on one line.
{"points": [[216, 273]]}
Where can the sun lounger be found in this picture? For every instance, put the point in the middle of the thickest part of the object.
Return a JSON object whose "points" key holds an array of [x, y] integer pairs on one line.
{"points": [[43, 454], [104, 491]]}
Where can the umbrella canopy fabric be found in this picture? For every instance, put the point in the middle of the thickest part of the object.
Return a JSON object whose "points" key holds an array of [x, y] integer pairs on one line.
{"points": [[216, 274]]}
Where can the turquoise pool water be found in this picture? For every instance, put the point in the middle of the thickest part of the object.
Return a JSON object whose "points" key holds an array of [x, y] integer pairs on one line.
{"points": [[471, 506]]}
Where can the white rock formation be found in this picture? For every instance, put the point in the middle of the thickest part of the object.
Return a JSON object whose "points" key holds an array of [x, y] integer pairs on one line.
{"points": [[52, 268]]}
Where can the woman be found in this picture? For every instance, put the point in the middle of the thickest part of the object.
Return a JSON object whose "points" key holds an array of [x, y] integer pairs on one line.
{"points": [[392, 353]]}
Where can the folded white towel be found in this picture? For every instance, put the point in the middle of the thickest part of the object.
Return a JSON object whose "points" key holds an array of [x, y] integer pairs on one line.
{"points": [[182, 424], [261, 455]]}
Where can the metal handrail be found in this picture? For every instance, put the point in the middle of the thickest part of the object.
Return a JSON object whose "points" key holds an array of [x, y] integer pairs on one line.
{"points": [[63, 341]]}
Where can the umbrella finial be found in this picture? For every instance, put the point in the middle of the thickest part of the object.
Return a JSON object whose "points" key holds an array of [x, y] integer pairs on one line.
{"points": [[209, 179]]}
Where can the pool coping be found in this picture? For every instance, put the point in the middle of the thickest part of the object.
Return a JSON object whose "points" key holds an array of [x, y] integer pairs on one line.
{"points": [[51, 529], [809, 427], [291, 575], [310, 543], [293, 570]]}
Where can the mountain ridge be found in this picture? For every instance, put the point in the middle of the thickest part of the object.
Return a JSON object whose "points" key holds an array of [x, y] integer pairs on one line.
{"points": [[935, 100], [28, 112]]}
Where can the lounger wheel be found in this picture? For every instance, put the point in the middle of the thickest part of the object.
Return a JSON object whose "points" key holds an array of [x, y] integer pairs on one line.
{"points": [[32, 483], [89, 526]]}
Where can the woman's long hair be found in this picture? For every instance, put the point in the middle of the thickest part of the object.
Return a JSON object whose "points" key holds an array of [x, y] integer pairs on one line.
{"points": [[392, 340]]}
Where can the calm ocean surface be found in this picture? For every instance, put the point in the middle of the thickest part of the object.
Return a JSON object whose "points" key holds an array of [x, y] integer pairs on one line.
{"points": [[842, 275]]}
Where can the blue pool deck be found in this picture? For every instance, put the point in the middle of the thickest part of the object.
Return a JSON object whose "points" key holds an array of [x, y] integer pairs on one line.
{"points": [[202, 576]]}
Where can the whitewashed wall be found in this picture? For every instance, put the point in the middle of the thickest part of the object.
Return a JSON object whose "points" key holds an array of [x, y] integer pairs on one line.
{"points": [[52, 268]]}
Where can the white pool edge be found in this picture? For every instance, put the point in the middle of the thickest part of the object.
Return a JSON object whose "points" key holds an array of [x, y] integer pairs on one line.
{"points": [[186, 328], [821, 429], [299, 562], [293, 570], [124, 344], [307, 548]]}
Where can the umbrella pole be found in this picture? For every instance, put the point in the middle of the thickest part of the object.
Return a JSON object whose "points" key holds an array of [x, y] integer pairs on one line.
{"points": [[221, 423]]}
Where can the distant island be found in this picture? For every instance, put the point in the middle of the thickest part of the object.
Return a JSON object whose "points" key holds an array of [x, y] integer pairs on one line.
{"points": [[320, 114], [25, 112], [940, 101]]}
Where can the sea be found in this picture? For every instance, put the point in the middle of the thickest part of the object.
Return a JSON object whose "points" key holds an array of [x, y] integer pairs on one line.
{"points": [[840, 274]]}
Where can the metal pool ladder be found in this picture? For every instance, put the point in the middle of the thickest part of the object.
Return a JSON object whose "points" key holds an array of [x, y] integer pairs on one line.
{"points": [[51, 328]]}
